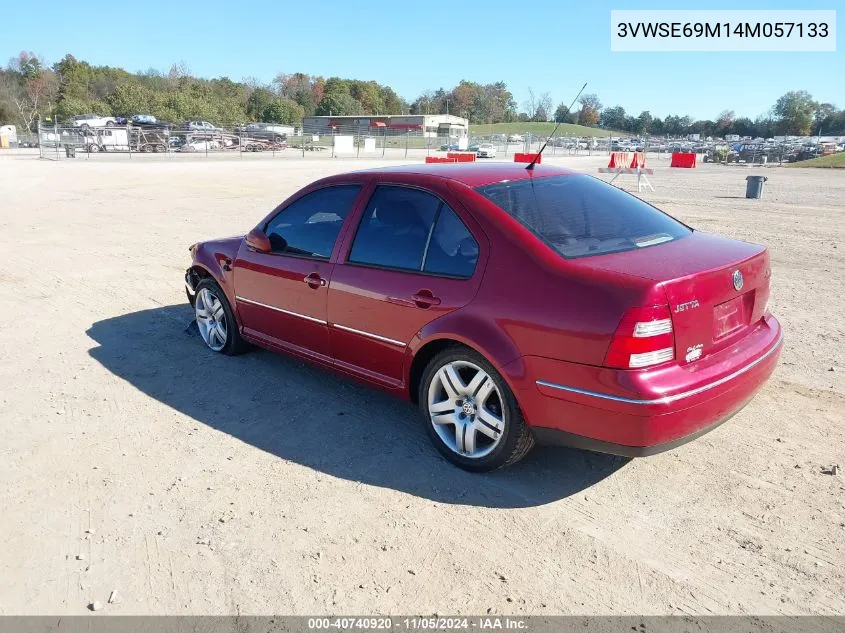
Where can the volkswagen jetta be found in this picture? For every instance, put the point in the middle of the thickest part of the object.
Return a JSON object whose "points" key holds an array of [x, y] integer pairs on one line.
{"points": [[513, 305]]}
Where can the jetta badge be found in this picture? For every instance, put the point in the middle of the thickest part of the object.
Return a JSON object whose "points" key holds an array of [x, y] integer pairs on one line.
{"points": [[738, 281]]}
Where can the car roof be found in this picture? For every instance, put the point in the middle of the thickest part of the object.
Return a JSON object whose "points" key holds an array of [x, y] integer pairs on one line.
{"points": [[475, 174]]}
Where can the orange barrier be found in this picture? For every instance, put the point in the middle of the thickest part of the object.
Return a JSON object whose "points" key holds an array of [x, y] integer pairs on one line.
{"points": [[640, 172], [462, 157], [682, 160], [519, 157], [439, 159], [638, 162], [619, 159]]}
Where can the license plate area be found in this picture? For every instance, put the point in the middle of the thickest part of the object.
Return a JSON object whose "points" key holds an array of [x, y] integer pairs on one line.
{"points": [[730, 316]]}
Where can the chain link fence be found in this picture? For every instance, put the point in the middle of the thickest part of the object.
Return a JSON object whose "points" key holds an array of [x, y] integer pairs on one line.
{"points": [[355, 140]]}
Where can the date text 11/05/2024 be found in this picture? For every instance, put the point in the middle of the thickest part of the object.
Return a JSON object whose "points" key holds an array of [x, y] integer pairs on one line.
{"points": [[433, 623]]}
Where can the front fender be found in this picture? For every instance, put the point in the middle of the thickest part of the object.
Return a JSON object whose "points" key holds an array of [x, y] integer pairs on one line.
{"points": [[216, 258]]}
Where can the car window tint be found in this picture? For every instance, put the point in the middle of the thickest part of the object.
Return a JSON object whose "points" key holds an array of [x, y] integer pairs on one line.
{"points": [[310, 225], [580, 215], [395, 228], [452, 249]]}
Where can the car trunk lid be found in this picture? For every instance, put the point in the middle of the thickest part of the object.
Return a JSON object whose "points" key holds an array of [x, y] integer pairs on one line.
{"points": [[716, 288]]}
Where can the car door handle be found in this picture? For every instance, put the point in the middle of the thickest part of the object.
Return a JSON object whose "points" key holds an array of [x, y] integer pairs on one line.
{"points": [[425, 299], [314, 280]]}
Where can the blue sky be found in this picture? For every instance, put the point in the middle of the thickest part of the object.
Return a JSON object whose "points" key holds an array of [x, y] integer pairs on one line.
{"points": [[549, 46]]}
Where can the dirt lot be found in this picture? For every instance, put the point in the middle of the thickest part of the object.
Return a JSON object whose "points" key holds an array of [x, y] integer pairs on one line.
{"points": [[261, 485]]}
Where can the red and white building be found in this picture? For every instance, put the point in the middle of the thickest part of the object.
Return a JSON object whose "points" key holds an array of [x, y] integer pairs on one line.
{"points": [[428, 125]]}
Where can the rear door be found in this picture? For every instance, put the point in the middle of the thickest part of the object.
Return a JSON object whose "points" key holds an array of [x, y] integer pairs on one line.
{"points": [[411, 259], [281, 295]]}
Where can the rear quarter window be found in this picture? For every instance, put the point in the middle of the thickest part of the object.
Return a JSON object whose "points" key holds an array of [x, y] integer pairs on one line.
{"points": [[579, 216]]}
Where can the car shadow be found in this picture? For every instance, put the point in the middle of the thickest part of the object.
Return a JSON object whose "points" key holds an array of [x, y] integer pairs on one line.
{"points": [[307, 415]]}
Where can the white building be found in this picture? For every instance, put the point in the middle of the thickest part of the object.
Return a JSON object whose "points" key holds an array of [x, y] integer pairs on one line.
{"points": [[428, 125]]}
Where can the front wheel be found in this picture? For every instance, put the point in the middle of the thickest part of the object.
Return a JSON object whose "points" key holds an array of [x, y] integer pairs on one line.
{"points": [[471, 414], [216, 321]]}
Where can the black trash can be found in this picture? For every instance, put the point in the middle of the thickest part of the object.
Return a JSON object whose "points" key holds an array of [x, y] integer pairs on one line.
{"points": [[754, 186], [70, 151]]}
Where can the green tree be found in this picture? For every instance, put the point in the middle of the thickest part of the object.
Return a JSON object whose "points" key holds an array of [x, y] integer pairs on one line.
{"points": [[823, 115], [27, 64], [257, 102], [339, 104], [131, 98], [369, 95], [285, 111], [795, 111], [744, 127], [613, 118], [562, 114], [643, 122]]}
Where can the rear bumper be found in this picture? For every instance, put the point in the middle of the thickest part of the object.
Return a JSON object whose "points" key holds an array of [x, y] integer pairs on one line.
{"points": [[643, 412], [555, 437]]}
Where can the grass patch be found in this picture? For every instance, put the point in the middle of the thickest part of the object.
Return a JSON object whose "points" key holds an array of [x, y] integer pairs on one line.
{"points": [[833, 161], [537, 129]]}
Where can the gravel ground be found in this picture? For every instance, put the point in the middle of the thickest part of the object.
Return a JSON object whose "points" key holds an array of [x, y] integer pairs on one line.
{"points": [[135, 460]]}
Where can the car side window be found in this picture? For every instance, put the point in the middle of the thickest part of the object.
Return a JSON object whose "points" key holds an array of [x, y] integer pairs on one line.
{"points": [[452, 250], [310, 225], [395, 228], [409, 229]]}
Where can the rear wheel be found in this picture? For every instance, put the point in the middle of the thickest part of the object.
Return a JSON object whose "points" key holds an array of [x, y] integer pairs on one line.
{"points": [[216, 321], [471, 414]]}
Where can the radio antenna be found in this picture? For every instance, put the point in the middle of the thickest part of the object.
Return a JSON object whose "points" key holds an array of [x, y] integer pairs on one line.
{"points": [[537, 157]]}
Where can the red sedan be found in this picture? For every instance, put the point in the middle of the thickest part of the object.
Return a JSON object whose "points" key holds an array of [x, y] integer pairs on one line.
{"points": [[512, 305]]}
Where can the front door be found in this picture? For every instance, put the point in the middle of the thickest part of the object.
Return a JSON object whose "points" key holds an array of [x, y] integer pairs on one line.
{"points": [[411, 261], [281, 295]]}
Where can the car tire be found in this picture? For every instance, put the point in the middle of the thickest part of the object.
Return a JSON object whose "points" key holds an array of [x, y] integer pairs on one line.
{"points": [[217, 326], [470, 412], [109, 123]]}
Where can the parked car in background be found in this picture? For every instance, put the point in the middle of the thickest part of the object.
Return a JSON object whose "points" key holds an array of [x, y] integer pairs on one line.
{"points": [[450, 147], [144, 119], [93, 120], [514, 138], [200, 146], [486, 150], [268, 131], [203, 126], [433, 283]]}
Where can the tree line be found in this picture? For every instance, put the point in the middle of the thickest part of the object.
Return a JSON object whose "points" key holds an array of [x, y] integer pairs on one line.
{"points": [[31, 89]]}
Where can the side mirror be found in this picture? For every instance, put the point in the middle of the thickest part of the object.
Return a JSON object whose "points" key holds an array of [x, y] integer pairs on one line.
{"points": [[257, 240]]}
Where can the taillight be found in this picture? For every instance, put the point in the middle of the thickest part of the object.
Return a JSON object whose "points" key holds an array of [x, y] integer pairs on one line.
{"points": [[644, 338]]}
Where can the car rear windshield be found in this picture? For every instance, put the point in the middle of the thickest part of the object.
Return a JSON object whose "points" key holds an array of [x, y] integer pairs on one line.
{"points": [[580, 215]]}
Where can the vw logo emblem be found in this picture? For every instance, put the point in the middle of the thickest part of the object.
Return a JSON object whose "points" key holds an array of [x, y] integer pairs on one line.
{"points": [[738, 281]]}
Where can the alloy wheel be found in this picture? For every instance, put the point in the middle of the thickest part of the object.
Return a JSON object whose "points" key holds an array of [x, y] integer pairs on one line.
{"points": [[465, 409], [211, 319]]}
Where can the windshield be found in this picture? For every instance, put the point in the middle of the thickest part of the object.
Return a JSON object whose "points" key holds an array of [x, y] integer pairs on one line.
{"points": [[580, 215]]}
